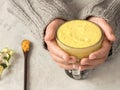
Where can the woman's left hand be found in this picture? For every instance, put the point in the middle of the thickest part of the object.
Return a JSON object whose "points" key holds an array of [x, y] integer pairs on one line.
{"points": [[99, 56]]}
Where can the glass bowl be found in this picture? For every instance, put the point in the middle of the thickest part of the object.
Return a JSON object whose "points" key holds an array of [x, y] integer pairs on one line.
{"points": [[90, 29]]}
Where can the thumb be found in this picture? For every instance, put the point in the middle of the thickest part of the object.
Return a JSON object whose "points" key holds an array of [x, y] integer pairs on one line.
{"points": [[51, 29], [107, 29], [50, 34]]}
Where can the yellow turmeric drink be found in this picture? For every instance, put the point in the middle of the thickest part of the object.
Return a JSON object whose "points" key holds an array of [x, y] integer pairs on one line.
{"points": [[79, 37]]}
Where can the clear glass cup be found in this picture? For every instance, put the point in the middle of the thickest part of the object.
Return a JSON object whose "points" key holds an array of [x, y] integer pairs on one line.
{"points": [[79, 52]]}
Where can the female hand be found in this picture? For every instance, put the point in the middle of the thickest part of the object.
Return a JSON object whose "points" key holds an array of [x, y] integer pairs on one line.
{"points": [[100, 55], [59, 56], [65, 61]]}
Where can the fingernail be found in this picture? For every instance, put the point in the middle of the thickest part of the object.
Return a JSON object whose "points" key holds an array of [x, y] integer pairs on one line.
{"points": [[92, 57], [80, 68], [72, 61], [63, 57], [83, 61]]}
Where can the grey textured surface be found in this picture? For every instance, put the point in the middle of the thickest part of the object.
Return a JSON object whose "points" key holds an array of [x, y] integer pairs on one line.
{"points": [[44, 74]]}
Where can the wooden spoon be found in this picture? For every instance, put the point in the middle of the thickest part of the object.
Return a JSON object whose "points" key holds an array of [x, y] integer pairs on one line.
{"points": [[26, 48]]}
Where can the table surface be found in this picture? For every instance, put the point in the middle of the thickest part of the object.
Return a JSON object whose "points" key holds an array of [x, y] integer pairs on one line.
{"points": [[44, 74]]}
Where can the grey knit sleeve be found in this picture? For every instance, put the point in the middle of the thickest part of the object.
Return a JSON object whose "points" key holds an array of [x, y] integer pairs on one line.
{"points": [[107, 9], [37, 14]]}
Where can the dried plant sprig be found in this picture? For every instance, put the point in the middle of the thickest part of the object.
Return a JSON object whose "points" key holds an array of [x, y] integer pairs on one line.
{"points": [[5, 56]]}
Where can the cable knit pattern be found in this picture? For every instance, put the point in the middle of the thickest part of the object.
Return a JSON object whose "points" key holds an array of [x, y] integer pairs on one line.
{"points": [[107, 9], [37, 14]]}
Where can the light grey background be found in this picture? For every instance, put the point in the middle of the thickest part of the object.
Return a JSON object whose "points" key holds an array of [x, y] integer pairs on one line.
{"points": [[46, 75]]}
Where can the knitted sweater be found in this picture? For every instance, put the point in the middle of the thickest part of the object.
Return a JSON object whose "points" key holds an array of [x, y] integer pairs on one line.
{"points": [[37, 14]]}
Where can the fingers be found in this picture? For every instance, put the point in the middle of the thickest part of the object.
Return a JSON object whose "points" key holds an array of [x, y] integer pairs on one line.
{"points": [[50, 34], [107, 29], [69, 62], [62, 61], [59, 55], [51, 42], [53, 48], [93, 62], [90, 64], [103, 51], [96, 57], [69, 66], [51, 29], [86, 67]]}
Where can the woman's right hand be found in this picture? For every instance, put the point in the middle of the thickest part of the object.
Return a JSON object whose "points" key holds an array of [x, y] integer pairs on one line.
{"points": [[59, 56]]}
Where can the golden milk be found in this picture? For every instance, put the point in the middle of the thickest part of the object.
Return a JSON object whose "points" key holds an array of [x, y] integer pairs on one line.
{"points": [[79, 37]]}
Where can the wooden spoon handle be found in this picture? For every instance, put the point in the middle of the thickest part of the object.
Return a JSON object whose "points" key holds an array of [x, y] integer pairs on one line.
{"points": [[26, 48], [25, 71]]}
